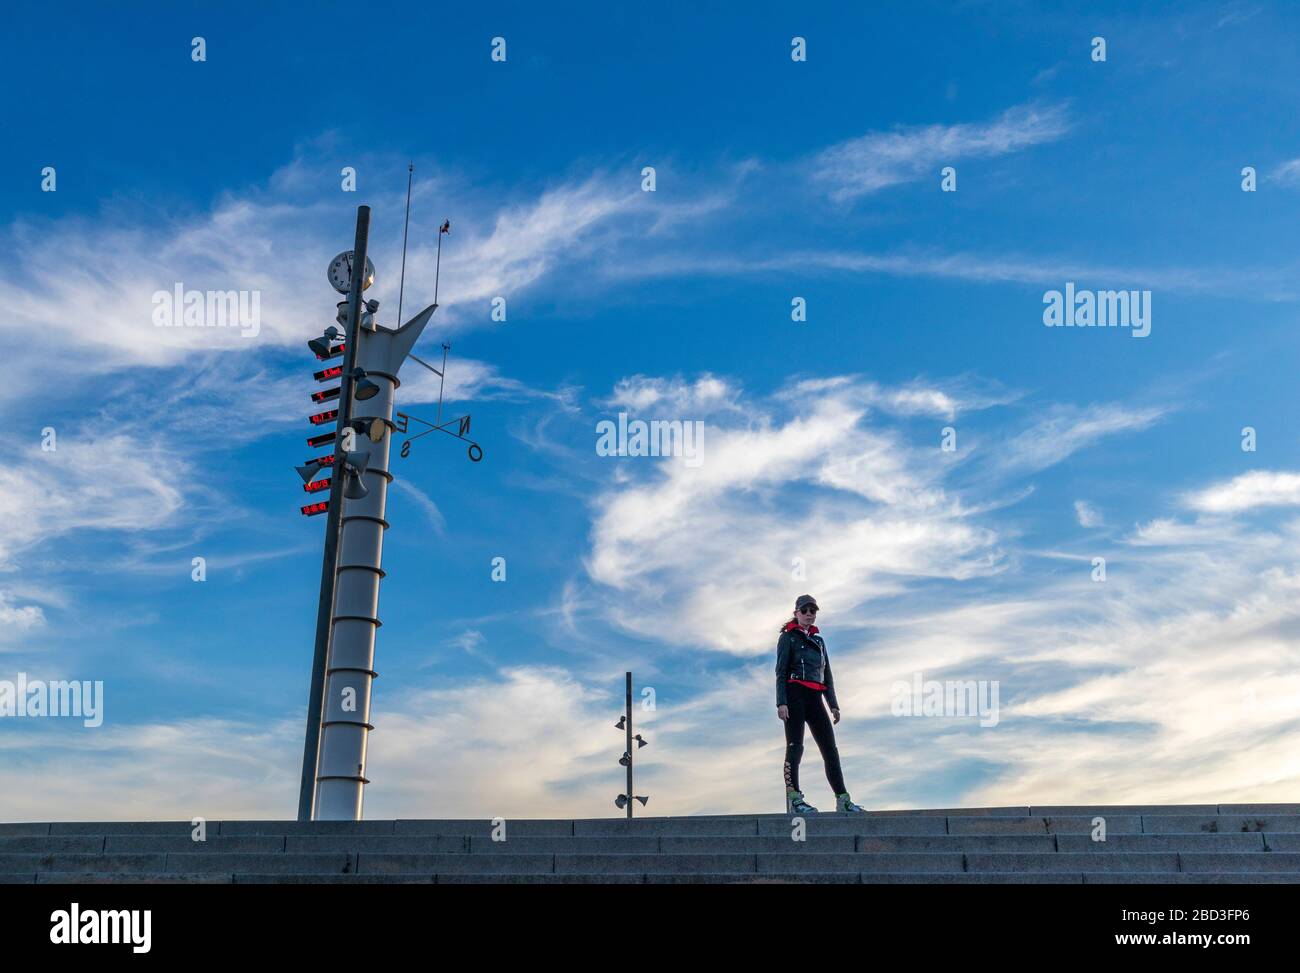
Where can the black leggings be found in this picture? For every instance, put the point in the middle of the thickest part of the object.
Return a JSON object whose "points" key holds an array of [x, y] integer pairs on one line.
{"points": [[806, 706]]}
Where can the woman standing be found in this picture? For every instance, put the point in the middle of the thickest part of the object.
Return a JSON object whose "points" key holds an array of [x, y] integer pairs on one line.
{"points": [[803, 678]]}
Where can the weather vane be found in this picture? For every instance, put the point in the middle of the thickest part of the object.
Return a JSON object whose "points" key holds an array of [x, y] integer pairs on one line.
{"points": [[461, 422]]}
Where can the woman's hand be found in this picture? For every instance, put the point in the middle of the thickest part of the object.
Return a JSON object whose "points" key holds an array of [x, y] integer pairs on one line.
{"points": [[783, 712], [835, 716]]}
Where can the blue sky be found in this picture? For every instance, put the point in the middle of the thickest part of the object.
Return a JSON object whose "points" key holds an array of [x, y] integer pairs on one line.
{"points": [[1173, 680]]}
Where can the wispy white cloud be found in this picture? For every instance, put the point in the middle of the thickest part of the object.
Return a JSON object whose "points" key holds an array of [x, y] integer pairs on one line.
{"points": [[1258, 488], [17, 620], [1254, 283], [1288, 173], [742, 530], [676, 397], [1067, 429], [467, 379], [425, 504], [918, 397], [1087, 514], [88, 285], [88, 482], [879, 159], [1239, 13], [1170, 532], [819, 495]]}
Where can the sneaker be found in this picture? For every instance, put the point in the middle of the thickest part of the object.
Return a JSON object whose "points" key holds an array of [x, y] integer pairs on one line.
{"points": [[844, 804], [795, 804]]}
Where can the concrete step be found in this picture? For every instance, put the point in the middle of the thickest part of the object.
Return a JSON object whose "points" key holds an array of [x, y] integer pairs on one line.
{"points": [[558, 863], [1110, 810], [895, 854], [122, 827], [1220, 823], [864, 844], [1060, 824], [989, 845], [425, 878], [47, 845], [655, 878], [1039, 819], [1120, 843], [1215, 862], [1076, 862], [694, 845], [855, 824], [133, 878], [177, 862], [1000, 843], [136, 843], [73, 862], [1193, 878], [19, 850]]}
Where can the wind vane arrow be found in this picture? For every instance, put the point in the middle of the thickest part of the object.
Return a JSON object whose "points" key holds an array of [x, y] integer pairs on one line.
{"points": [[475, 450]]}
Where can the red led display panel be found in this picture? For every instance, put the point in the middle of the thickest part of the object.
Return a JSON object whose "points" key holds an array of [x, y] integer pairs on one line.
{"points": [[312, 509], [333, 353], [326, 460], [323, 417], [324, 395], [333, 371], [317, 485], [324, 439]]}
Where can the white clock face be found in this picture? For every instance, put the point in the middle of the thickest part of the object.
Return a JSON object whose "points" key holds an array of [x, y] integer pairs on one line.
{"points": [[340, 273]]}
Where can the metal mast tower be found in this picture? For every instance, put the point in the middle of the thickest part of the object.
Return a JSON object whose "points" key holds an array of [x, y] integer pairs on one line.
{"points": [[340, 771], [334, 751]]}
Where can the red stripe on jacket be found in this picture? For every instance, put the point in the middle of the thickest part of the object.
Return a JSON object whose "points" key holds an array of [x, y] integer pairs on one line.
{"points": [[810, 685]]}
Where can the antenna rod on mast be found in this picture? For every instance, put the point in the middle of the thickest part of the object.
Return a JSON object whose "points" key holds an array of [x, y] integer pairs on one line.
{"points": [[437, 270], [410, 170]]}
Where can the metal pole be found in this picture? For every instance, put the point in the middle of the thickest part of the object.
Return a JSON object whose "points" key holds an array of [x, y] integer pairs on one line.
{"points": [[401, 287], [329, 563], [629, 746]]}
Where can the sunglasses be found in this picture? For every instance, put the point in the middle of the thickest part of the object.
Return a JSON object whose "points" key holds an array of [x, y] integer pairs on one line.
{"points": [[807, 611]]}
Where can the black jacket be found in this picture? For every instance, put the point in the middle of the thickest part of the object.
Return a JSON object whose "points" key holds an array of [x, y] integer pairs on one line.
{"points": [[802, 656]]}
